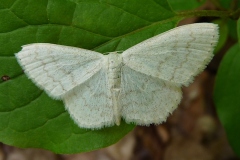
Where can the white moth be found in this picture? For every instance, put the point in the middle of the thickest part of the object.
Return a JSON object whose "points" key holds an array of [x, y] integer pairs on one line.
{"points": [[142, 85]]}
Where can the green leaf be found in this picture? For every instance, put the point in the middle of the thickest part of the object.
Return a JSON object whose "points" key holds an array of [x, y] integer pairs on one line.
{"points": [[225, 4], [227, 93], [29, 118], [223, 34], [181, 5], [228, 4], [232, 28], [238, 29]]}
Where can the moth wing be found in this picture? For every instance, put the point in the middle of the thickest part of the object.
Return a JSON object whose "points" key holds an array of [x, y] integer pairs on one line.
{"points": [[145, 99], [90, 103], [176, 55], [58, 69]]}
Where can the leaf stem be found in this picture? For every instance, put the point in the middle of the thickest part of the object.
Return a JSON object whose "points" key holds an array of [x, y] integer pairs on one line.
{"points": [[205, 13]]}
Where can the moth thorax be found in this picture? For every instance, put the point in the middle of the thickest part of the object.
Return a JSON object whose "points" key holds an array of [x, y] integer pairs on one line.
{"points": [[114, 69]]}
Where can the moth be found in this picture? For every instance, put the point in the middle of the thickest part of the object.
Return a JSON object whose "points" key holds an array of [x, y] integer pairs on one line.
{"points": [[142, 85]]}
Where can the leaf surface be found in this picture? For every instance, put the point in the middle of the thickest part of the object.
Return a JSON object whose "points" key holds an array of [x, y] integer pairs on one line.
{"points": [[227, 93]]}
